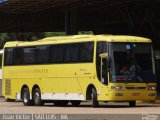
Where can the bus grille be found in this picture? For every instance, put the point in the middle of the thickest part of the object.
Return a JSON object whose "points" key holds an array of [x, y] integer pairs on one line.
{"points": [[141, 88], [8, 87]]}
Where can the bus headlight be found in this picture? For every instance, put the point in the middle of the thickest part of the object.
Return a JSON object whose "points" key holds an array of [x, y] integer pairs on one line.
{"points": [[151, 87], [117, 87]]}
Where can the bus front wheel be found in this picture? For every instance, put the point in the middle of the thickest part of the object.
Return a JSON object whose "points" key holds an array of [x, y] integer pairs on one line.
{"points": [[132, 103], [26, 97], [37, 97], [94, 98]]}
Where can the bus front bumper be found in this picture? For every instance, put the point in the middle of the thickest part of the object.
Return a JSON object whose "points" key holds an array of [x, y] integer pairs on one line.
{"points": [[131, 95]]}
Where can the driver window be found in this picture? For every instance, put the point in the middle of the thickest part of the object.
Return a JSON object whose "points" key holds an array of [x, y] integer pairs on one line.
{"points": [[104, 72], [101, 48]]}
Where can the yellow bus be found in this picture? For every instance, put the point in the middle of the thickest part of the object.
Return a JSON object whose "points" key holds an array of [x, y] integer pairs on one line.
{"points": [[1, 52], [79, 68]]}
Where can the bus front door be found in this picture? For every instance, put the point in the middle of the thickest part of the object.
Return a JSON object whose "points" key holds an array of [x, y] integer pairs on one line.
{"points": [[104, 71]]}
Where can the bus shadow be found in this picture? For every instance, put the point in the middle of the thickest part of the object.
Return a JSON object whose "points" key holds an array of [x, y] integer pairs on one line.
{"points": [[107, 105]]}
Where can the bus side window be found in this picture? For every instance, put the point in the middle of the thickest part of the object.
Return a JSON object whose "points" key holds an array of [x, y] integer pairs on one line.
{"points": [[104, 72], [71, 53], [8, 56], [56, 53], [42, 54], [17, 56], [85, 52], [29, 56]]}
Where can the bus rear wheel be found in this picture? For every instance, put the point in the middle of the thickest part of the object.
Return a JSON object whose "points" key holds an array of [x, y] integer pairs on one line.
{"points": [[26, 97], [37, 97], [132, 103], [75, 103], [95, 103]]}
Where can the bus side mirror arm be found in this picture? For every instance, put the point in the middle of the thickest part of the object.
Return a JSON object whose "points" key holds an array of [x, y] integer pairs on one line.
{"points": [[109, 63], [108, 60]]}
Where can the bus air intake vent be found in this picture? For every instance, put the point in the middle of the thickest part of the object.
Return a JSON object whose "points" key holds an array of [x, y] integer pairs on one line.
{"points": [[8, 87], [141, 88], [131, 88]]}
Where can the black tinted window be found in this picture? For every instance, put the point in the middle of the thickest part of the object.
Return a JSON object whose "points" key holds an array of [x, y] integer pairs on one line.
{"points": [[56, 53], [42, 54], [101, 48], [71, 53], [8, 54], [17, 56], [62, 53], [29, 55], [86, 52]]}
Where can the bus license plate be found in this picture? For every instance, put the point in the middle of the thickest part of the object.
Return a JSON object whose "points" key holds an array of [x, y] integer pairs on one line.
{"points": [[135, 94]]}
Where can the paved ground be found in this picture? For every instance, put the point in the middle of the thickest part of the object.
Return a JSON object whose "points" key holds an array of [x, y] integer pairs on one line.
{"points": [[84, 108]]}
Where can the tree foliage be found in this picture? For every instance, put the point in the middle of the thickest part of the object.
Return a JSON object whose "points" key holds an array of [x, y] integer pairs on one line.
{"points": [[50, 34], [21, 36]]}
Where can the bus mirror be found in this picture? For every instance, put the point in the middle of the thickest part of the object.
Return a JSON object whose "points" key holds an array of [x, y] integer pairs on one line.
{"points": [[157, 57], [103, 55]]}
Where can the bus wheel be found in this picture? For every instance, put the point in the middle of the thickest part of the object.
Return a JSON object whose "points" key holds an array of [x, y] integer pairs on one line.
{"points": [[132, 103], [26, 97], [61, 102], [37, 97], [75, 103], [94, 98]]}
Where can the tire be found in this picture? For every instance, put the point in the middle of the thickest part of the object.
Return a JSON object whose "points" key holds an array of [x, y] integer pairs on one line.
{"points": [[61, 103], [37, 97], [132, 103], [95, 103], [75, 103], [26, 97]]}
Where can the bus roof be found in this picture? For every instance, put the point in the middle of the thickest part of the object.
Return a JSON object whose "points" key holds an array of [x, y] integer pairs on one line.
{"points": [[79, 38]]}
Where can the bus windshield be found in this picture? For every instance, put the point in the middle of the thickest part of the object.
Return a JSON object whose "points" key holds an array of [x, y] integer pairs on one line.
{"points": [[131, 62]]}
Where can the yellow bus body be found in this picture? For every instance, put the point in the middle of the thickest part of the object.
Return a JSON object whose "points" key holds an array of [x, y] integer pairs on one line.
{"points": [[69, 81]]}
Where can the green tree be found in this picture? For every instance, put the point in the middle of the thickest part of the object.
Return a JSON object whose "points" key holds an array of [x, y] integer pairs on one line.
{"points": [[20, 36], [3, 39], [50, 34]]}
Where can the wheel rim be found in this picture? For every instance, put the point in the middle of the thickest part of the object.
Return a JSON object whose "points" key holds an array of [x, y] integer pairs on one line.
{"points": [[36, 98], [92, 95], [25, 97]]}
